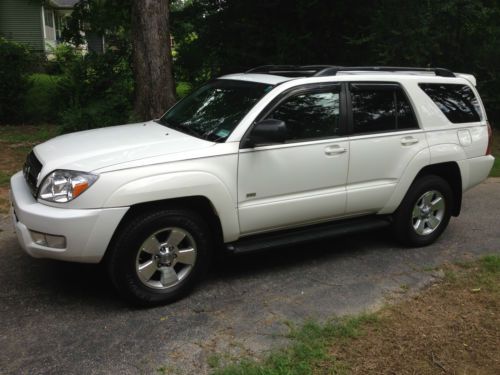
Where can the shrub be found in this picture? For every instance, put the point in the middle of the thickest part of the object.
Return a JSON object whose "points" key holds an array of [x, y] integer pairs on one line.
{"points": [[43, 99], [97, 90], [14, 81], [183, 89]]}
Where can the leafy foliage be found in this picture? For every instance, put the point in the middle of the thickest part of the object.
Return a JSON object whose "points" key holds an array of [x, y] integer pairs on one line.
{"points": [[15, 61], [43, 100], [97, 90], [214, 37]]}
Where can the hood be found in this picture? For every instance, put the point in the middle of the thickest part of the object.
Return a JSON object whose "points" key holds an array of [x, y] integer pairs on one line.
{"points": [[90, 150]]}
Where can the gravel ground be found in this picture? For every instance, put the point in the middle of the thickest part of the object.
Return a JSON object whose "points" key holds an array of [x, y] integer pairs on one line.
{"points": [[62, 318]]}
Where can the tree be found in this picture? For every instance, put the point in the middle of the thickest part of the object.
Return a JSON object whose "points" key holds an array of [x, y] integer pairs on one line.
{"points": [[152, 61], [144, 24]]}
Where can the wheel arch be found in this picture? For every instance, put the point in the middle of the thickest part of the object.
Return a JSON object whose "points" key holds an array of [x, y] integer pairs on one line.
{"points": [[450, 172], [197, 203]]}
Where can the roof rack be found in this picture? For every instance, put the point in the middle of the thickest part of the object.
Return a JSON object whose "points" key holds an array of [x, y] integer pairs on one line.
{"points": [[331, 70], [291, 70]]}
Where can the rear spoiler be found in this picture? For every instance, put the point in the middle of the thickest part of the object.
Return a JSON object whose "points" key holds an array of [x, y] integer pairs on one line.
{"points": [[468, 77]]}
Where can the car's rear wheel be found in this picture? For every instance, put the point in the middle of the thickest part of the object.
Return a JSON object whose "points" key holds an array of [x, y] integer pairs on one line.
{"points": [[425, 211], [158, 257]]}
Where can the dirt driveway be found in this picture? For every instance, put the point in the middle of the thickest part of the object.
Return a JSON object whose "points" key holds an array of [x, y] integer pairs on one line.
{"points": [[59, 318]]}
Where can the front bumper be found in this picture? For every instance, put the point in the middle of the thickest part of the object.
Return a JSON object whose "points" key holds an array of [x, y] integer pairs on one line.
{"points": [[87, 231]]}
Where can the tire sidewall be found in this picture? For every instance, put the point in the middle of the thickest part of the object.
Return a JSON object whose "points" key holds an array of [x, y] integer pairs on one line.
{"points": [[403, 216], [122, 261]]}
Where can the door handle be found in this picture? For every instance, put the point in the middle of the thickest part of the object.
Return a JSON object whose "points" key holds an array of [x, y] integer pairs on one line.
{"points": [[408, 141], [334, 150]]}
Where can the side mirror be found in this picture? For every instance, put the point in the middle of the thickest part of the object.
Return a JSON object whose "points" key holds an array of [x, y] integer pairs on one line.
{"points": [[267, 131]]}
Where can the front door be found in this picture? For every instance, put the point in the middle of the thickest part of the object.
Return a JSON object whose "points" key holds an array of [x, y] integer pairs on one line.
{"points": [[304, 179]]}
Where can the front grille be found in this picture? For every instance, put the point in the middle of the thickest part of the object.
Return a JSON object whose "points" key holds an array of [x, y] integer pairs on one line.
{"points": [[31, 170]]}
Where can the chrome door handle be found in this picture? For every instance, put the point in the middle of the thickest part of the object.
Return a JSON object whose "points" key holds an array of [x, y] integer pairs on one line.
{"points": [[408, 141], [334, 150]]}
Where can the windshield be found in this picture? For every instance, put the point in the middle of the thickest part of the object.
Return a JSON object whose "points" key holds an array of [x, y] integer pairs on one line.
{"points": [[213, 111]]}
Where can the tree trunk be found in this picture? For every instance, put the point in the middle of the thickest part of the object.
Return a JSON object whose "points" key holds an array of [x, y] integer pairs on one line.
{"points": [[152, 58]]}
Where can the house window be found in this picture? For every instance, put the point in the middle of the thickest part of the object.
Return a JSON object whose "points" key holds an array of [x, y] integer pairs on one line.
{"points": [[49, 20]]}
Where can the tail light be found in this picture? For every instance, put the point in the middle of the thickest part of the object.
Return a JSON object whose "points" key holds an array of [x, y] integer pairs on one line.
{"points": [[490, 139]]}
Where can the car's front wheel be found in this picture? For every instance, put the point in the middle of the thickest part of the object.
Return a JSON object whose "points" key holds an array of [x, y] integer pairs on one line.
{"points": [[425, 211], [158, 257]]}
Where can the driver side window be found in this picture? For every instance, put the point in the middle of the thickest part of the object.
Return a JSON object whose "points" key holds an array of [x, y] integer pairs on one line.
{"points": [[310, 115]]}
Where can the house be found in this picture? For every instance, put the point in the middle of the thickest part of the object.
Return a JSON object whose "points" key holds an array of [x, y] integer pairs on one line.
{"points": [[38, 23]]}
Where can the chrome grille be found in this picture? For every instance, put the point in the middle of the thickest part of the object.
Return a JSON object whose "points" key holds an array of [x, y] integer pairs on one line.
{"points": [[31, 170]]}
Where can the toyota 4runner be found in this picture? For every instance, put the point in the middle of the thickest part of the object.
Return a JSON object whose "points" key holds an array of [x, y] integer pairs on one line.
{"points": [[270, 157]]}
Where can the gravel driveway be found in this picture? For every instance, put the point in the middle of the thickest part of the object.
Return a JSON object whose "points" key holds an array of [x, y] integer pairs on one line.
{"points": [[62, 318]]}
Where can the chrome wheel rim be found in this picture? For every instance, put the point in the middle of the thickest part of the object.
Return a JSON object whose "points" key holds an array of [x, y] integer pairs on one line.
{"points": [[428, 212], [166, 258]]}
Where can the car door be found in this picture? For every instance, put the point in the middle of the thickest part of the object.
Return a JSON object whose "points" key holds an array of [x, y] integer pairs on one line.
{"points": [[303, 179], [385, 137]]}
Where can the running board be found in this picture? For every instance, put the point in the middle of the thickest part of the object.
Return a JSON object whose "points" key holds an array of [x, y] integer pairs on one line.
{"points": [[305, 234]]}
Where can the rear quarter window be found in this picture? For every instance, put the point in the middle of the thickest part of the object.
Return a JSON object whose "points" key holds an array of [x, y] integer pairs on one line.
{"points": [[457, 102]]}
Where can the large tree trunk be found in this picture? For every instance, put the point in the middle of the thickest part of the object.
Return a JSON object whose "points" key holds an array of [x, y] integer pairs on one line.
{"points": [[152, 58]]}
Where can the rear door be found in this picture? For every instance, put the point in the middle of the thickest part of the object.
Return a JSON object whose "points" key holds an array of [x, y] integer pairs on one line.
{"points": [[384, 138]]}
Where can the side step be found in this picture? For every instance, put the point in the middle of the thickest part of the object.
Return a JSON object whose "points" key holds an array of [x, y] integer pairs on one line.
{"points": [[305, 234]]}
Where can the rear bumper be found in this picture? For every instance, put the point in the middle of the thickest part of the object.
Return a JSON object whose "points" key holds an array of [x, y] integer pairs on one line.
{"points": [[475, 170], [87, 232]]}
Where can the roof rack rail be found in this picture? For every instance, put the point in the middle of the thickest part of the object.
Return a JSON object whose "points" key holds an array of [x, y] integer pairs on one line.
{"points": [[291, 70], [331, 71]]}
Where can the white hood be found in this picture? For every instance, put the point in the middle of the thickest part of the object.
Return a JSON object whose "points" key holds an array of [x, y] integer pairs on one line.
{"points": [[94, 149]]}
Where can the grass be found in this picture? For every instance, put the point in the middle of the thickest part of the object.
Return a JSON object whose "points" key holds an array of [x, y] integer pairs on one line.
{"points": [[452, 327], [495, 171], [27, 134], [15, 143], [310, 344], [4, 178]]}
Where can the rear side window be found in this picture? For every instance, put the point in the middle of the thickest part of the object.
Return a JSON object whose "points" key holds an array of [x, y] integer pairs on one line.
{"points": [[457, 102], [378, 108]]}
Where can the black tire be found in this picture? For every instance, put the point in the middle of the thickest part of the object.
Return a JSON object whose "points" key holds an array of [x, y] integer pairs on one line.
{"points": [[403, 217], [123, 255]]}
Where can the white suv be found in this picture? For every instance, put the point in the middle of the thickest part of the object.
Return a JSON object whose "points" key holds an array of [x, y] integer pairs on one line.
{"points": [[271, 157]]}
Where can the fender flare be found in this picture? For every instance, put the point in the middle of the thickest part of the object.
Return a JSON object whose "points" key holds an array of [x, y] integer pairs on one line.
{"points": [[436, 154], [182, 185]]}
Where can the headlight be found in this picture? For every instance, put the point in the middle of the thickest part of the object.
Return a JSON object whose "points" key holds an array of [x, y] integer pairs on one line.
{"points": [[62, 186]]}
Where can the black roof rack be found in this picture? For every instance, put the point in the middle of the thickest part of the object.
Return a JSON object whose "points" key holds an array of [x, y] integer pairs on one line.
{"points": [[331, 70], [291, 70]]}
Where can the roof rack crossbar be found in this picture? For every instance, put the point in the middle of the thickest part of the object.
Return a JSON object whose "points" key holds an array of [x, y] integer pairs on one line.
{"points": [[331, 71]]}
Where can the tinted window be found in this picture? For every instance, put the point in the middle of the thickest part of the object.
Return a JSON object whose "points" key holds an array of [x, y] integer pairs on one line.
{"points": [[380, 108], [405, 116], [310, 115], [213, 111], [457, 102]]}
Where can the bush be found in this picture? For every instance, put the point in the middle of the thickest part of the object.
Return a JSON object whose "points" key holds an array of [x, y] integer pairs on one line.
{"points": [[183, 89], [97, 90], [43, 99], [14, 82]]}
